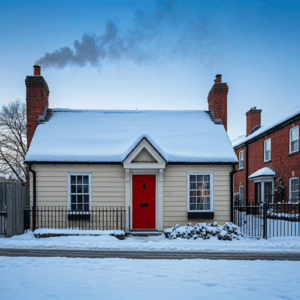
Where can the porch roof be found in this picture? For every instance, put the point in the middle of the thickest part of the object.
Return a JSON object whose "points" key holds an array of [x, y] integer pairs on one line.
{"points": [[262, 172]]}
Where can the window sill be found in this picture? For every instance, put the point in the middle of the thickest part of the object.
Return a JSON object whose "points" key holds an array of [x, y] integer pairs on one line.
{"points": [[293, 153], [77, 216], [209, 215], [266, 161], [241, 168]]}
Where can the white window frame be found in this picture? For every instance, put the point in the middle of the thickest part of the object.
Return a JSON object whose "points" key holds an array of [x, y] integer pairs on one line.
{"points": [[241, 160], [265, 141], [69, 191], [290, 189], [211, 174], [290, 139]]}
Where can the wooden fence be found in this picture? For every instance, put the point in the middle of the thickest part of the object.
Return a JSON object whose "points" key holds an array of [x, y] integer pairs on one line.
{"points": [[13, 201]]}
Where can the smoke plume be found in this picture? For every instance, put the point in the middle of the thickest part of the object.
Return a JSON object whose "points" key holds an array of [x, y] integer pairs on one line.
{"points": [[163, 31]]}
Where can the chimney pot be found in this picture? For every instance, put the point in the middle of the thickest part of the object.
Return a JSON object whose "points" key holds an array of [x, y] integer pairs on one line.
{"points": [[37, 70]]}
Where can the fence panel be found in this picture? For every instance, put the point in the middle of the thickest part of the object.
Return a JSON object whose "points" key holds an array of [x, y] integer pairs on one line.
{"points": [[268, 220], [99, 218], [13, 198]]}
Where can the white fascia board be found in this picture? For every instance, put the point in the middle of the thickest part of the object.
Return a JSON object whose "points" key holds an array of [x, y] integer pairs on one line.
{"points": [[145, 144]]}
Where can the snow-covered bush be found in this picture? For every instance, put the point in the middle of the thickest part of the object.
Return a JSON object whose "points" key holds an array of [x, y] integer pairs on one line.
{"points": [[229, 231]]}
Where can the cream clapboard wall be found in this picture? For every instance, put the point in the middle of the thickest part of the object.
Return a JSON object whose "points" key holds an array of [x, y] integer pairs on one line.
{"points": [[175, 193], [108, 184], [108, 188]]}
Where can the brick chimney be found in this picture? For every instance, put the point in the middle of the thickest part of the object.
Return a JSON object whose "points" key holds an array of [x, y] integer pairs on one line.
{"points": [[217, 100], [253, 119], [37, 93]]}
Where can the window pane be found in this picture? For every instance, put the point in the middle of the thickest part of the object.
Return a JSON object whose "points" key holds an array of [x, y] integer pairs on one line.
{"points": [[79, 198], [79, 207], [85, 188], [206, 193], [192, 206], [73, 198], [192, 193], [199, 178], [267, 145], [193, 200], [86, 179], [199, 193], [206, 186], [193, 178], [79, 188], [268, 192], [86, 207], [73, 206], [73, 188], [206, 178], [295, 146], [192, 186], [73, 179], [79, 179], [198, 200], [295, 134], [86, 198]]}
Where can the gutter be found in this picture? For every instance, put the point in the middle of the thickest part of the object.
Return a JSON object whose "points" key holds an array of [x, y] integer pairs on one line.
{"points": [[232, 191], [34, 197]]}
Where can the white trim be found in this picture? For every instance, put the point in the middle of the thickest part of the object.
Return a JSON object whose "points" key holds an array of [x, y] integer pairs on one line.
{"points": [[240, 168], [267, 150], [158, 195], [262, 180], [211, 190], [290, 188], [144, 144], [69, 187], [290, 139]]}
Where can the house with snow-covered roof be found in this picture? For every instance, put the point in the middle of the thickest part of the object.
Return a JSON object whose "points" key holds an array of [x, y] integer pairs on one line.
{"points": [[269, 159], [163, 167]]}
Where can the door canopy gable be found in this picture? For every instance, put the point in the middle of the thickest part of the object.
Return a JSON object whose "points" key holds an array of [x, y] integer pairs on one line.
{"points": [[144, 156]]}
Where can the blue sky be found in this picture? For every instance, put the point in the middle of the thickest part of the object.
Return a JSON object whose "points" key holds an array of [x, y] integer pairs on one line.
{"points": [[155, 54]]}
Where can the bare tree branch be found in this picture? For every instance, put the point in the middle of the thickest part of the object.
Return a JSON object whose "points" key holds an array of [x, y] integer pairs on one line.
{"points": [[13, 143]]}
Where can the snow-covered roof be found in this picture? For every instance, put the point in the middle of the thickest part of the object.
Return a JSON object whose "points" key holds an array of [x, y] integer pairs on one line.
{"points": [[109, 136], [263, 172], [280, 118]]}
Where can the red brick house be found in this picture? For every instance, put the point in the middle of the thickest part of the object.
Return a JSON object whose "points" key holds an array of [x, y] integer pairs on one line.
{"points": [[268, 155]]}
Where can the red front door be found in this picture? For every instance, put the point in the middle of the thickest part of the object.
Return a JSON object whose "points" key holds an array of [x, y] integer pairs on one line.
{"points": [[143, 201]]}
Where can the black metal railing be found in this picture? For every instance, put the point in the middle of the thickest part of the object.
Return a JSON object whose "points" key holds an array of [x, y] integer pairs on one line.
{"points": [[268, 219], [98, 218]]}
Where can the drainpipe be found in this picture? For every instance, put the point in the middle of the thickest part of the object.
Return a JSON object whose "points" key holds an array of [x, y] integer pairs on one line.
{"points": [[34, 198], [232, 192], [247, 171]]}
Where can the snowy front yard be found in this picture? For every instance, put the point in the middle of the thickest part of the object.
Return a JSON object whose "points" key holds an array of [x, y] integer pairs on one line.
{"points": [[84, 278], [151, 243]]}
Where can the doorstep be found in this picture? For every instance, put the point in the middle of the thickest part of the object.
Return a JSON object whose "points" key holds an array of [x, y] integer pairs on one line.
{"points": [[143, 232]]}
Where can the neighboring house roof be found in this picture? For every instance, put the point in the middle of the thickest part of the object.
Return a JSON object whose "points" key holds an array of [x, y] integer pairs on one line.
{"points": [[263, 172], [280, 119], [109, 136]]}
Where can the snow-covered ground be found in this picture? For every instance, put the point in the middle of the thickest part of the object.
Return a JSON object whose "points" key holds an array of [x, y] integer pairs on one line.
{"points": [[114, 278], [151, 243]]}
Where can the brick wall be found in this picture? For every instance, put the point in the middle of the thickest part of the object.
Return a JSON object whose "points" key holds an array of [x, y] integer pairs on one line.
{"points": [[283, 163], [217, 100]]}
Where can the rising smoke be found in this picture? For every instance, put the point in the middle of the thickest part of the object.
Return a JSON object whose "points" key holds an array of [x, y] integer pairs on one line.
{"points": [[154, 33]]}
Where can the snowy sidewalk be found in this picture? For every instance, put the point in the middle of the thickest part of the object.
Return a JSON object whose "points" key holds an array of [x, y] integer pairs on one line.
{"points": [[152, 243], [236, 255]]}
